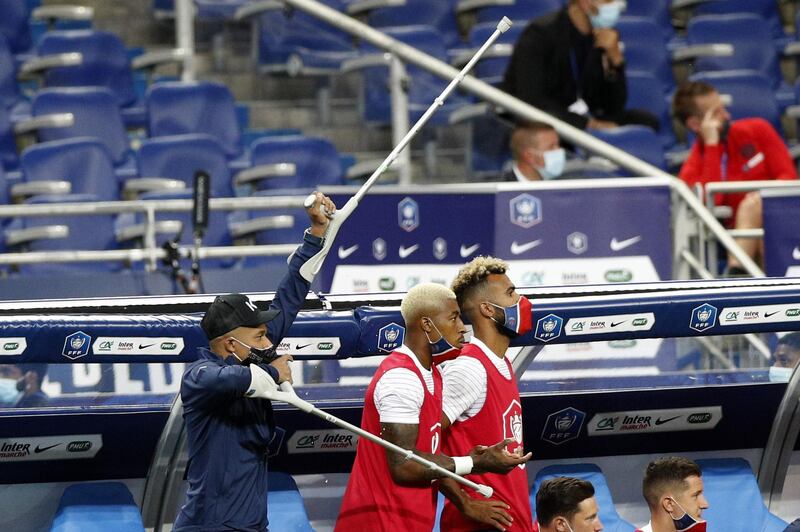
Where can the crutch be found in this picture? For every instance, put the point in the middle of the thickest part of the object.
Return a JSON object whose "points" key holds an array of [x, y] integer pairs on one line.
{"points": [[313, 265], [287, 394]]}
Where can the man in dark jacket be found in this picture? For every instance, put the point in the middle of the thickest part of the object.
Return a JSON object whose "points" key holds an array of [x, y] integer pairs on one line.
{"points": [[569, 63], [228, 429]]}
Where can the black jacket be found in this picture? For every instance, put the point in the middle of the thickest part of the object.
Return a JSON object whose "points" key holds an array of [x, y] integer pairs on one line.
{"points": [[541, 71]]}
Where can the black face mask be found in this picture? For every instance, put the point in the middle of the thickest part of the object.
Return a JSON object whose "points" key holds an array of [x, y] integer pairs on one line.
{"points": [[258, 355], [723, 133]]}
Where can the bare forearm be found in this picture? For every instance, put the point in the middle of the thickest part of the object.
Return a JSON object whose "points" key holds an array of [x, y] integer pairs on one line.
{"points": [[406, 471]]}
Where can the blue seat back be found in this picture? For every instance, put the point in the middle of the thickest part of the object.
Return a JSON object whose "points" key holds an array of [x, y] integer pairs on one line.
{"points": [[285, 510], [3, 190], [96, 507], [8, 143], [178, 108], [766, 9], [520, 11], [750, 92], [639, 141], [492, 69], [645, 91], [14, 25], [316, 160], [84, 162], [590, 472], [734, 500], [8, 75], [86, 232], [656, 10], [96, 115], [439, 14], [105, 62], [181, 156], [751, 39], [645, 48]]}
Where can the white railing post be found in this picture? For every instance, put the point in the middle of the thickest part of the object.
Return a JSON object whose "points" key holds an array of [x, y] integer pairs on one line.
{"points": [[184, 36], [398, 86]]}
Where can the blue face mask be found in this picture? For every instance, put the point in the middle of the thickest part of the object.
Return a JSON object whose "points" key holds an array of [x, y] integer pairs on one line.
{"points": [[441, 349], [607, 15], [777, 374], [554, 161], [9, 394], [687, 523]]}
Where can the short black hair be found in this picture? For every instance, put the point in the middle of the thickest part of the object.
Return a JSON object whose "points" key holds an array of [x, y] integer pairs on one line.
{"points": [[664, 474], [560, 496], [791, 340], [683, 102]]}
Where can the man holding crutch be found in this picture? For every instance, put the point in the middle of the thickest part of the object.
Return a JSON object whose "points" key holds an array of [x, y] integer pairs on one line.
{"points": [[228, 427], [481, 402], [403, 403]]}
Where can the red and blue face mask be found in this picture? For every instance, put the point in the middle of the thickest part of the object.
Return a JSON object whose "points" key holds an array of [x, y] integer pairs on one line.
{"points": [[517, 317], [687, 523], [441, 349]]}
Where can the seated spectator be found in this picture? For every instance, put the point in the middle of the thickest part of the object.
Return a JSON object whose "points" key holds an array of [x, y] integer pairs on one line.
{"points": [[21, 385], [566, 504], [569, 63], [785, 358], [742, 150], [537, 153], [673, 489]]}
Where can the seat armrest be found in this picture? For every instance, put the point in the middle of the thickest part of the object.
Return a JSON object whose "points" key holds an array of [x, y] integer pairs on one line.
{"points": [[35, 188], [139, 185], [265, 171], [44, 122], [254, 8], [465, 6], [46, 232], [63, 13], [689, 53], [240, 229], [359, 7], [159, 57], [138, 231]]}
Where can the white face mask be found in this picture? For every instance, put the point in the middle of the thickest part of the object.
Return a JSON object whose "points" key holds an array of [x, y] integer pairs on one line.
{"points": [[8, 392], [554, 161], [777, 374], [607, 15]]}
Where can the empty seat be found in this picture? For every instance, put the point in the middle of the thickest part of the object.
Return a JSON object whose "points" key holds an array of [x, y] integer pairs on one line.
{"points": [[590, 472], [645, 91], [8, 143], [84, 163], [439, 14], [492, 67], [766, 9], [521, 10], [285, 510], [14, 25], [9, 94], [97, 507], [656, 10], [639, 141], [307, 163], [645, 48], [270, 227], [734, 499]]}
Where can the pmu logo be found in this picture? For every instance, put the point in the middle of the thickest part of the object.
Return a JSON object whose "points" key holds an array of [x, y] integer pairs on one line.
{"points": [[408, 214], [563, 425], [76, 345], [703, 317], [390, 337], [549, 327], [526, 210]]}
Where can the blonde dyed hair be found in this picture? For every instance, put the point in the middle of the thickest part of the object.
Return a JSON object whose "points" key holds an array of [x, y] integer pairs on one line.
{"points": [[423, 300], [472, 278]]}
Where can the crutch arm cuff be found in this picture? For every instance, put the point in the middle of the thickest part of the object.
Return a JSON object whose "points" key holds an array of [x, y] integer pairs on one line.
{"points": [[463, 465]]}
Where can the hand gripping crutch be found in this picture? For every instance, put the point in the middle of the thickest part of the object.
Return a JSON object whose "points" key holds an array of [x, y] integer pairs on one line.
{"points": [[287, 394], [313, 265]]}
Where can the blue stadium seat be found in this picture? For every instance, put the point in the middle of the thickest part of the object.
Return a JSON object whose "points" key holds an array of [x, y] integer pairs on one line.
{"points": [[83, 162], [8, 143], [645, 48], [3, 191], [767, 9], [97, 507], [9, 93], [285, 510], [590, 472], [639, 141], [753, 48], [301, 44], [423, 88], [492, 69], [646, 91], [656, 10], [95, 112], [14, 25], [735, 503], [521, 11], [181, 156], [749, 91], [439, 14], [105, 63], [178, 108], [316, 161]]}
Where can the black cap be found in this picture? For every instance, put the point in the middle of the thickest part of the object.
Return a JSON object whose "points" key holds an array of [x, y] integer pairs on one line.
{"points": [[230, 311]]}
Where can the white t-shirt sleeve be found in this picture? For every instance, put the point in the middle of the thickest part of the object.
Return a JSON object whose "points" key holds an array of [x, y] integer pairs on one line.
{"points": [[399, 396], [464, 389]]}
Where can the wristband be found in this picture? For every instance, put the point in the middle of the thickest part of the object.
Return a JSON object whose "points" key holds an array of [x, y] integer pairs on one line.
{"points": [[463, 465]]}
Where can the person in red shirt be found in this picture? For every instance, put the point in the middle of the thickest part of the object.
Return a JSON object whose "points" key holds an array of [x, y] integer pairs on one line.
{"points": [[403, 404], [566, 504], [481, 403], [673, 489], [742, 150]]}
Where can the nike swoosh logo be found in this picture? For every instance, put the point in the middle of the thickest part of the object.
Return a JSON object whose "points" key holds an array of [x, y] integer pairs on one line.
{"points": [[619, 245], [145, 346], [346, 252], [302, 346], [796, 253], [618, 323], [43, 449], [768, 314], [660, 421], [466, 251], [406, 251], [517, 248]]}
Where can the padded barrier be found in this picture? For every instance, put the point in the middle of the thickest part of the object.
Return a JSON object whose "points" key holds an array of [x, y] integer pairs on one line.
{"points": [[608, 513], [734, 500], [285, 510], [97, 507]]}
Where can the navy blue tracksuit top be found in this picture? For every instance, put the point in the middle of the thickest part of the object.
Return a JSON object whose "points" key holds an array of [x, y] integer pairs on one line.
{"points": [[228, 435]]}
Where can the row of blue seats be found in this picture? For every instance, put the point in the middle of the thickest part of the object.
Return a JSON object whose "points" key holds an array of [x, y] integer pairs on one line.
{"points": [[735, 502]]}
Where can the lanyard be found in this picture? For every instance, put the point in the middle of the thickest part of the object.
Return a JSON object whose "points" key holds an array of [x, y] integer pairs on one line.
{"points": [[573, 62]]}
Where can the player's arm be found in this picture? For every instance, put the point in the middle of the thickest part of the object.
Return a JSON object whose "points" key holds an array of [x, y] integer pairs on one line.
{"points": [[462, 379], [489, 512]]}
